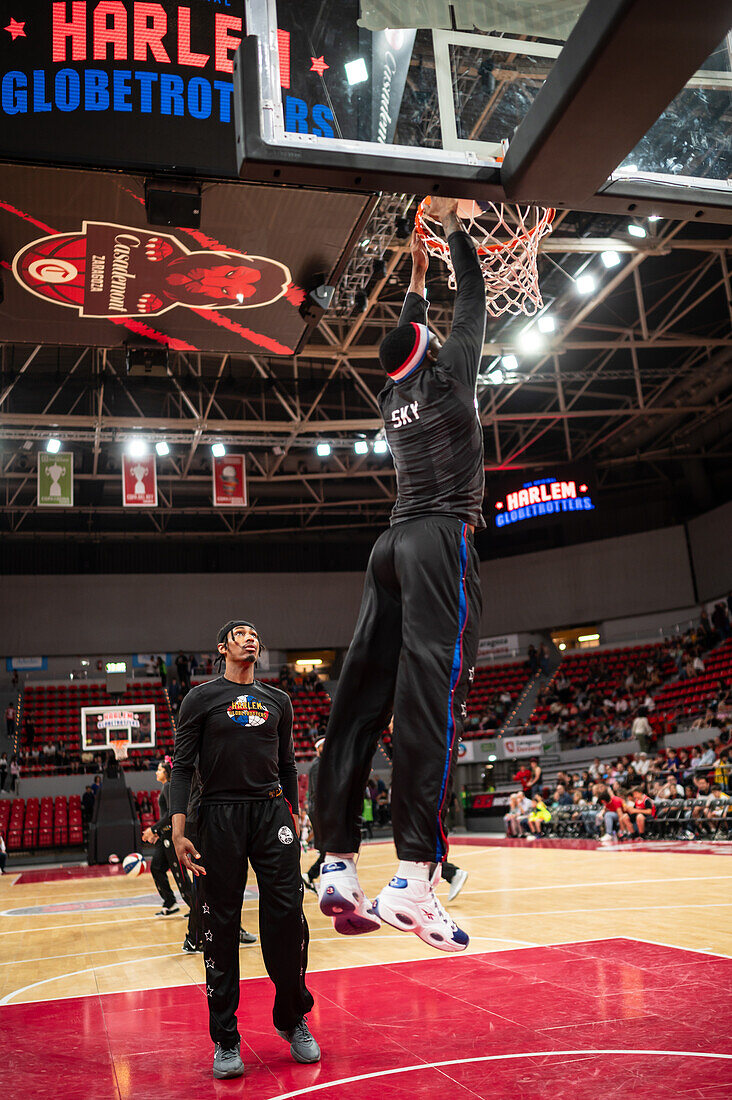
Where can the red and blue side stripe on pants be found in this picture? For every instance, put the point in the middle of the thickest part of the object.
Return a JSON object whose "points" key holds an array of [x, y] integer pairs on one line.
{"points": [[455, 674]]}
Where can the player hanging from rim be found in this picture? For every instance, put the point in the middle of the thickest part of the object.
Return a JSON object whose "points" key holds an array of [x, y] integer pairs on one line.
{"points": [[240, 730], [416, 637]]}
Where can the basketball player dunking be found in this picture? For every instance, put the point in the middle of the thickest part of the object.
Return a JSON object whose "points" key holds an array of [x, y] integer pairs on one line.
{"points": [[417, 632]]}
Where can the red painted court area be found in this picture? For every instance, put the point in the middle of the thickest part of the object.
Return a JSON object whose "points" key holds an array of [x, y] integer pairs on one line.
{"points": [[579, 1021]]}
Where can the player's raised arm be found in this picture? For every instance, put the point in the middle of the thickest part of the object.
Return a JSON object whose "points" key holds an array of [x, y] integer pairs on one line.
{"points": [[463, 349], [415, 304]]}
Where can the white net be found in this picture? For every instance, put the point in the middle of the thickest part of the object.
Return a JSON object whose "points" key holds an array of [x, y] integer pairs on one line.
{"points": [[507, 242], [120, 749]]}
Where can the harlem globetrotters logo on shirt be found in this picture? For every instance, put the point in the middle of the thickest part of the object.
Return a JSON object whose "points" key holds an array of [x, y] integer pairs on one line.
{"points": [[248, 711], [112, 271]]}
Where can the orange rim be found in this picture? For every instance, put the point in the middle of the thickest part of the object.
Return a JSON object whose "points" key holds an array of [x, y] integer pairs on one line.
{"points": [[483, 250]]}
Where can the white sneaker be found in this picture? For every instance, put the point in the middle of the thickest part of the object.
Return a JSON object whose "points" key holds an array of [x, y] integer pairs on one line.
{"points": [[412, 906], [341, 897], [607, 839], [459, 879]]}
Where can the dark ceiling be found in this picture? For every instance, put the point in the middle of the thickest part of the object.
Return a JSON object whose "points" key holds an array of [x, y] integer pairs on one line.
{"points": [[636, 380]]}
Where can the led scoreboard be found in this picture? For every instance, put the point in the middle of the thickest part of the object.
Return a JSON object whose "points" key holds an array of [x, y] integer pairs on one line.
{"points": [[120, 83], [520, 500]]}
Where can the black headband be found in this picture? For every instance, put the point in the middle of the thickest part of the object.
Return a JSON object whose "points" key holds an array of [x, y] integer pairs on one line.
{"points": [[226, 630]]}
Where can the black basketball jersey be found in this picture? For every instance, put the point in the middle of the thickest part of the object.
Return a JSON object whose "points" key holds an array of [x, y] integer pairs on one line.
{"points": [[431, 418]]}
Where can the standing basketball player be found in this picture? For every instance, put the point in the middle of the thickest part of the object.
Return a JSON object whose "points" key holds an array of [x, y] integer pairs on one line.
{"points": [[240, 731], [417, 632]]}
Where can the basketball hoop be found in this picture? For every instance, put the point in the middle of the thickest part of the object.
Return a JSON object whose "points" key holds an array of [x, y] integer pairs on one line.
{"points": [[120, 749], [507, 242]]}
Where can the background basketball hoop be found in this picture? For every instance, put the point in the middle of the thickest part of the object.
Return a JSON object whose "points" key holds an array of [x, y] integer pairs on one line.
{"points": [[120, 749], [507, 242]]}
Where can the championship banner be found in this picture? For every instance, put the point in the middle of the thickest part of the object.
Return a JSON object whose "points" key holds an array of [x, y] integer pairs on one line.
{"points": [[55, 480], [229, 482], [139, 482]]}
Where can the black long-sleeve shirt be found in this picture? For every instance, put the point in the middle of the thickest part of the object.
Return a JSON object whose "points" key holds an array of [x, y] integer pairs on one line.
{"points": [[431, 418], [241, 736]]}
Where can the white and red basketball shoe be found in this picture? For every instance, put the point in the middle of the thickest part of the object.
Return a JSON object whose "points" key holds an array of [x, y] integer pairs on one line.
{"points": [[411, 905], [341, 897]]}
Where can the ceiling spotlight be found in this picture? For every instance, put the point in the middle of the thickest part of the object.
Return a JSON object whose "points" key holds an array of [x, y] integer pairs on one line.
{"points": [[218, 450], [610, 258], [380, 447], [637, 230], [379, 269], [356, 71], [361, 447], [365, 242], [562, 646], [510, 362], [530, 340], [53, 446], [655, 218], [136, 448], [162, 448], [585, 284], [495, 377], [323, 450], [546, 323], [360, 302]]}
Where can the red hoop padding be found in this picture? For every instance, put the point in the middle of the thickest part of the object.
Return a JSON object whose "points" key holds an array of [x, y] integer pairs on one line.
{"points": [[509, 266]]}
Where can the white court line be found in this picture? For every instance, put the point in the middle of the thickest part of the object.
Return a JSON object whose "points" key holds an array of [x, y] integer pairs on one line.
{"points": [[470, 916], [638, 1051], [177, 954], [87, 970], [361, 966]]}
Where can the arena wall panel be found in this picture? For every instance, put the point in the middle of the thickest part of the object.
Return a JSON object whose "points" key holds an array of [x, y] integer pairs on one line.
{"points": [[710, 536]]}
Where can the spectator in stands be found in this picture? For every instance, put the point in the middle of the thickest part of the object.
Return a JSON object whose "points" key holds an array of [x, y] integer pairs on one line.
{"points": [[639, 808], [3, 769], [162, 671], [193, 664], [708, 756], [174, 693], [523, 776], [96, 785], [14, 773], [597, 770], [671, 788], [562, 798], [533, 657], [536, 776], [519, 808], [10, 721], [539, 816], [184, 672], [612, 811], [87, 803], [720, 620], [641, 765], [642, 730], [722, 769]]}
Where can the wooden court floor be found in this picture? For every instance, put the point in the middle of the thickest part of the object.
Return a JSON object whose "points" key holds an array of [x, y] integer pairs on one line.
{"points": [[78, 937]]}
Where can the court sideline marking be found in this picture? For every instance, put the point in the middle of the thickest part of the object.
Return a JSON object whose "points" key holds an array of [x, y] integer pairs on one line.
{"points": [[328, 969], [590, 1051]]}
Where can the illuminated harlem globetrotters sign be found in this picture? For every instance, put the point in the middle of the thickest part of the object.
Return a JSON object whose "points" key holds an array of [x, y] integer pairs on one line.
{"points": [[543, 497]]}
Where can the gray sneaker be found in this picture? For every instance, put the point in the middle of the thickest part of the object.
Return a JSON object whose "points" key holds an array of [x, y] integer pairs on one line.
{"points": [[303, 1047], [227, 1063]]}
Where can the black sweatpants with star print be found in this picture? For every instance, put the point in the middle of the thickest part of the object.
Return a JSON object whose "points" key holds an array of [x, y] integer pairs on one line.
{"points": [[261, 832]]}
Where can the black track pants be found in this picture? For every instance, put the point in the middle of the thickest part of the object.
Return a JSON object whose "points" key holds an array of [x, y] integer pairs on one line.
{"points": [[159, 868], [412, 655], [263, 833]]}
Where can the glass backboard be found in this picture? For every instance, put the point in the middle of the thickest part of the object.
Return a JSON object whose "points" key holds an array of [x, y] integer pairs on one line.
{"points": [[440, 87]]}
